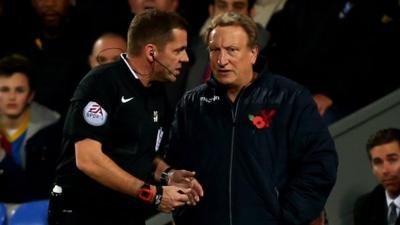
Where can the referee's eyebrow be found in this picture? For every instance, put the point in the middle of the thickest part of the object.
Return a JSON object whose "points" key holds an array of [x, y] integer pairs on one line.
{"points": [[183, 48]]}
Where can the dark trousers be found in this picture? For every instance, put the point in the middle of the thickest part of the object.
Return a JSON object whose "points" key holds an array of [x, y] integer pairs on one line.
{"points": [[65, 209]]}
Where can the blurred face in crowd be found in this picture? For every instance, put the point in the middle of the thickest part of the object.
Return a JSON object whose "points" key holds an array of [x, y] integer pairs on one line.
{"points": [[15, 95], [51, 11], [231, 58], [138, 6], [385, 160], [107, 49], [172, 57], [223, 6]]}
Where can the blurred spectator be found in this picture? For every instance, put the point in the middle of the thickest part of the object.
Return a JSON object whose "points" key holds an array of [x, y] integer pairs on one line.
{"points": [[30, 135], [195, 12], [57, 42], [138, 6], [104, 16], [264, 9], [336, 49], [107, 48], [298, 46], [364, 39], [12, 15], [119, 13], [381, 205]]}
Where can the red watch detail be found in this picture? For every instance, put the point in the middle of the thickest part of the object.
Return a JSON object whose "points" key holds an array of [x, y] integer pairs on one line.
{"points": [[146, 193]]}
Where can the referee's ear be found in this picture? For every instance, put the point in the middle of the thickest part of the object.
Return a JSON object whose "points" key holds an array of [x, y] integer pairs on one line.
{"points": [[150, 52]]}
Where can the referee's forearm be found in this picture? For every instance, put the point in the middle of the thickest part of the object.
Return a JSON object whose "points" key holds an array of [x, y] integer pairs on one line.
{"points": [[91, 160]]}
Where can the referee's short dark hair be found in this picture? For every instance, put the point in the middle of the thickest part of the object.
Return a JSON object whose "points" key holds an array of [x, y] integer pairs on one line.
{"points": [[153, 26]]}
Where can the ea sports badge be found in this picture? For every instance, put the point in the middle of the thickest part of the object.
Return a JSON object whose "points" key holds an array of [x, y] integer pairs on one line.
{"points": [[94, 114]]}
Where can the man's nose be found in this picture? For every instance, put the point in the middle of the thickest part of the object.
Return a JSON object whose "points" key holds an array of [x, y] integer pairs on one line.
{"points": [[222, 59], [13, 94], [386, 168], [230, 8], [185, 57]]}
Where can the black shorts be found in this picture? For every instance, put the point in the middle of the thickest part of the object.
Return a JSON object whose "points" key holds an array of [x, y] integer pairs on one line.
{"points": [[72, 208]]}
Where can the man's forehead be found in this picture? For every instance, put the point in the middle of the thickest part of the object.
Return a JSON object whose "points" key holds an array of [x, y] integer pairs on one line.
{"points": [[388, 149], [229, 31]]}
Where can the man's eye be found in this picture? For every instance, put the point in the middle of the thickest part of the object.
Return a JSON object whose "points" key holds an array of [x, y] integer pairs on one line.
{"points": [[4, 89], [393, 159], [21, 90]]}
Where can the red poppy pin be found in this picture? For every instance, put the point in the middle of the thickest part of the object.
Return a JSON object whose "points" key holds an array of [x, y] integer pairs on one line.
{"points": [[263, 120]]}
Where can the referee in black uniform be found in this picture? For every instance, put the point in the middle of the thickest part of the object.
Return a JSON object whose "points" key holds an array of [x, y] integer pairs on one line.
{"points": [[114, 129]]}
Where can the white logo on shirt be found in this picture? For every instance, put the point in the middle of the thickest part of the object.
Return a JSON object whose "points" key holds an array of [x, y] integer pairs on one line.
{"points": [[94, 114], [209, 100], [155, 116], [125, 100]]}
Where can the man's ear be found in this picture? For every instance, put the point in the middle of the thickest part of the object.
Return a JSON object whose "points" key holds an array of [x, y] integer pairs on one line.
{"points": [[150, 52], [254, 52]]}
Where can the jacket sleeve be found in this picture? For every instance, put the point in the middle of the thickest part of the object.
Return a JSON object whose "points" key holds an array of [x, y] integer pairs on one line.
{"points": [[312, 162]]}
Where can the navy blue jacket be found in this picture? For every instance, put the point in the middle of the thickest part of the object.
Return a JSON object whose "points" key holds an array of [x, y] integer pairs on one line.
{"points": [[267, 158]]}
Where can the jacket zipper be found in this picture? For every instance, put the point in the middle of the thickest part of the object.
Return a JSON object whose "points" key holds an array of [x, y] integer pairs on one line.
{"points": [[234, 112]]}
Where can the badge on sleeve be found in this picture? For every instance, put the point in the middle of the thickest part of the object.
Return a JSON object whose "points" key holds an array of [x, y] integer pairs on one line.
{"points": [[94, 114]]}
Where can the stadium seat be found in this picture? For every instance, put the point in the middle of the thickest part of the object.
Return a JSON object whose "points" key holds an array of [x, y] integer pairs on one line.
{"points": [[3, 214], [30, 213]]}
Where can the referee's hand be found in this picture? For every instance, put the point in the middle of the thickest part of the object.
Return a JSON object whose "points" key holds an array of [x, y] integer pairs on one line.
{"points": [[173, 197]]}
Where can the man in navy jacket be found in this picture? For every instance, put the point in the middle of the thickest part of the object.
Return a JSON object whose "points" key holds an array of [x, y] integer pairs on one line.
{"points": [[256, 141]]}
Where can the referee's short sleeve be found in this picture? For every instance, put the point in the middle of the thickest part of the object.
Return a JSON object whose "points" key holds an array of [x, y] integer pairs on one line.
{"points": [[90, 109], [87, 119]]}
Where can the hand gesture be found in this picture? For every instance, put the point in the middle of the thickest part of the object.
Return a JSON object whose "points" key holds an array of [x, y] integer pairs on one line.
{"points": [[185, 179], [173, 197]]}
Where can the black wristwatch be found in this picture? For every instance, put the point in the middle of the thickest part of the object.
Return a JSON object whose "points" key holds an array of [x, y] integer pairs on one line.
{"points": [[164, 177], [158, 197]]}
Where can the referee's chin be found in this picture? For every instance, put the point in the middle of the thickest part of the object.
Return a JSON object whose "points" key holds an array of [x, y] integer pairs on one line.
{"points": [[169, 77]]}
